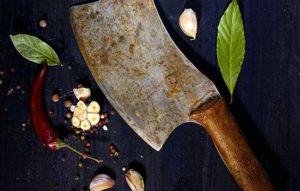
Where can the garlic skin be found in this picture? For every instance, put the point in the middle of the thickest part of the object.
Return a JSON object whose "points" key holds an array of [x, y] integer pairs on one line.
{"points": [[188, 23], [82, 93], [101, 182], [134, 180]]}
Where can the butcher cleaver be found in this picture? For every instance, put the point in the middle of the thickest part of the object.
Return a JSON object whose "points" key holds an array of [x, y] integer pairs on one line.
{"points": [[153, 86]]}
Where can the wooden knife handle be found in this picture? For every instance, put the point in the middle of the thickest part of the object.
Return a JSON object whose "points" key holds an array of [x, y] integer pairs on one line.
{"points": [[232, 146]]}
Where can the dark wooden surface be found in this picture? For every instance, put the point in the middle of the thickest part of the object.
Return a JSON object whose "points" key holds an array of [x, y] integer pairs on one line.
{"points": [[266, 102]]}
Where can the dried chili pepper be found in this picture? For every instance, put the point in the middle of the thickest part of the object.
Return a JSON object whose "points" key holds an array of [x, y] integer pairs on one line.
{"points": [[40, 119]]}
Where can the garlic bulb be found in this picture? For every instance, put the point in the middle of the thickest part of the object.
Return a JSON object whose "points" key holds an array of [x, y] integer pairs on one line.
{"points": [[101, 182], [85, 116], [188, 23], [134, 180]]}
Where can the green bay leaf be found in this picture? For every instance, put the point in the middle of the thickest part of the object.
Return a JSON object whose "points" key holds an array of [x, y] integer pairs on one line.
{"points": [[35, 50], [231, 45]]}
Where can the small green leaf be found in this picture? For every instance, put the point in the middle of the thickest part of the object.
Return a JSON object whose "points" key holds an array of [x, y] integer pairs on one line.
{"points": [[35, 50], [231, 45]]}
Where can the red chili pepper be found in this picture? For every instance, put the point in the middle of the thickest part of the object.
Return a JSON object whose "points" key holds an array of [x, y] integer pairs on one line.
{"points": [[40, 119]]}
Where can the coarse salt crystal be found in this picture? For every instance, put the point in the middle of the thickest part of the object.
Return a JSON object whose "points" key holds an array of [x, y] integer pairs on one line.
{"points": [[105, 128], [72, 108]]}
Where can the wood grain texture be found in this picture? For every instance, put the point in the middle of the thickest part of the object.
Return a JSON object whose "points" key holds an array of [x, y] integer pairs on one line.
{"points": [[232, 146], [266, 102]]}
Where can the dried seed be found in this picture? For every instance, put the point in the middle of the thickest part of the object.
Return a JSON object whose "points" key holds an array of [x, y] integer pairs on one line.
{"points": [[50, 112], [10, 91], [77, 176], [43, 23], [111, 147], [88, 144], [68, 103], [80, 164], [113, 150], [18, 87], [116, 154], [68, 115], [23, 124], [92, 130], [55, 97]]}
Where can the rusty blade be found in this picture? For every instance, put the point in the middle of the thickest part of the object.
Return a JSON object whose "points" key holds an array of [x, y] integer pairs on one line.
{"points": [[152, 85]]}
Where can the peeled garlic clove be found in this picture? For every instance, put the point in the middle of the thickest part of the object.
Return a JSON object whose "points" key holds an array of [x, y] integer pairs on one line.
{"points": [[85, 125], [93, 118], [83, 115], [82, 93], [134, 180], [93, 107], [188, 23], [101, 182], [78, 111], [81, 105], [75, 122]]}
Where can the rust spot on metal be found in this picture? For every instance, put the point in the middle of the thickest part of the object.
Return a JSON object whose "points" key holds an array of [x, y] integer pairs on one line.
{"points": [[105, 38], [130, 48], [121, 38]]}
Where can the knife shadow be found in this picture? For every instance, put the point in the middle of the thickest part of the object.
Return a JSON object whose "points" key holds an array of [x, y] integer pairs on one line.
{"points": [[105, 170], [256, 139], [140, 168], [260, 146]]}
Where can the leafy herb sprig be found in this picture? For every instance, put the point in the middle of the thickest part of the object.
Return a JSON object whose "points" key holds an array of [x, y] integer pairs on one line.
{"points": [[35, 50], [231, 45]]}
